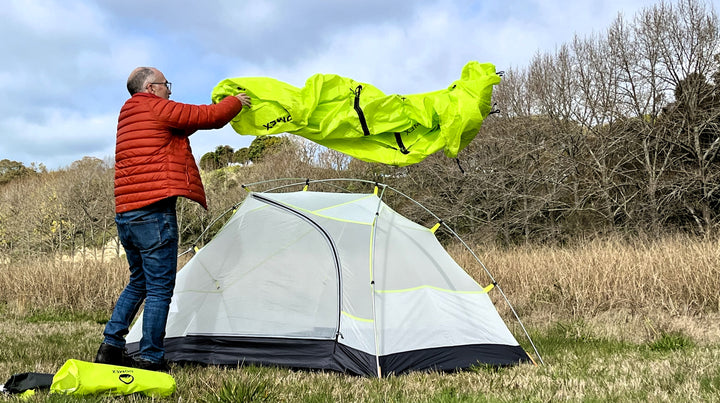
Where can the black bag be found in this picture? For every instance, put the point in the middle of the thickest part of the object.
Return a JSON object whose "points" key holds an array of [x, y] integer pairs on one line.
{"points": [[19, 383]]}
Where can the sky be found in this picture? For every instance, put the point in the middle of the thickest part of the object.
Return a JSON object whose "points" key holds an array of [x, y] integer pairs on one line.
{"points": [[66, 62]]}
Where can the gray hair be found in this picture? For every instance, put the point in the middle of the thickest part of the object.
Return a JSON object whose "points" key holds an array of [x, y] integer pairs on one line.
{"points": [[138, 78]]}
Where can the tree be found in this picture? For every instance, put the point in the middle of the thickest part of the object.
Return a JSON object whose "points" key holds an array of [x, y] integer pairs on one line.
{"points": [[224, 155], [616, 132], [241, 156], [220, 158], [688, 44], [86, 196], [263, 146], [209, 161], [11, 170]]}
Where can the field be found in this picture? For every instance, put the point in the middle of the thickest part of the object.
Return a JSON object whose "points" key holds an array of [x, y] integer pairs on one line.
{"points": [[612, 320]]}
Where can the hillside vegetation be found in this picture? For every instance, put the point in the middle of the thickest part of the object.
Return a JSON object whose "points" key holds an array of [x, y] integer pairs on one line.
{"points": [[614, 134]]}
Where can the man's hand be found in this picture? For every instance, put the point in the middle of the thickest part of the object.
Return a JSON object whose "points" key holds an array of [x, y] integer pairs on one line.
{"points": [[244, 99]]}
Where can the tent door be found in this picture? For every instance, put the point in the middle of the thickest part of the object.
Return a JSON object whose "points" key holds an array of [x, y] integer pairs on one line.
{"points": [[326, 236]]}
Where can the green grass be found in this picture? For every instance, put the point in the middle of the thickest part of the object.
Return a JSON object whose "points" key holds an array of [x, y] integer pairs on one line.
{"points": [[582, 364], [670, 342], [253, 390], [64, 315]]}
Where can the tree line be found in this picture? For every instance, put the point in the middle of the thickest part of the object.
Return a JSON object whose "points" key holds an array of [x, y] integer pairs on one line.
{"points": [[615, 133], [225, 155], [612, 133]]}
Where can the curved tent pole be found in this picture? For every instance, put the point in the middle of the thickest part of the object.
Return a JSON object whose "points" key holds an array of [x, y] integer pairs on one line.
{"points": [[494, 282], [233, 208], [202, 234], [452, 232], [372, 280], [507, 301]]}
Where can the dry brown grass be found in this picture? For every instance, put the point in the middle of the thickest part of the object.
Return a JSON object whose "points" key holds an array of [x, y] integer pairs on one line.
{"points": [[597, 311], [673, 277], [634, 289], [56, 284]]}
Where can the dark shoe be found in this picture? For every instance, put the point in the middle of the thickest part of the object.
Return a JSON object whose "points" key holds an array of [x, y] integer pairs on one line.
{"points": [[142, 363], [112, 355]]}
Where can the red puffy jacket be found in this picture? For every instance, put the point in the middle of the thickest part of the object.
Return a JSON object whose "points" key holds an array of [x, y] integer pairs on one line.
{"points": [[153, 159]]}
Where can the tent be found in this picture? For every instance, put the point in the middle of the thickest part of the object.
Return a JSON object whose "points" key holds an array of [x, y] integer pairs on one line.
{"points": [[336, 281]]}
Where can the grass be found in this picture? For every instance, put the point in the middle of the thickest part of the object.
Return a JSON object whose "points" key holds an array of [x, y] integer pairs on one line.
{"points": [[581, 365], [612, 321]]}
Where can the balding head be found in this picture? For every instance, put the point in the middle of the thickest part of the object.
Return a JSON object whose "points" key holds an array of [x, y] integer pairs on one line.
{"points": [[139, 78]]}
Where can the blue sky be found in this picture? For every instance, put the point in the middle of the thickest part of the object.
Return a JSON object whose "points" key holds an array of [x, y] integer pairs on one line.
{"points": [[65, 62]]}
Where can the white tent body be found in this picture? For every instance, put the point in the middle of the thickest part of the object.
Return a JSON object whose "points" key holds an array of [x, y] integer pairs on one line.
{"points": [[331, 281]]}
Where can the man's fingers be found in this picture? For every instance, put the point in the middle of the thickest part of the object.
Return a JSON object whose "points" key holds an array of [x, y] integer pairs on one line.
{"points": [[244, 99]]}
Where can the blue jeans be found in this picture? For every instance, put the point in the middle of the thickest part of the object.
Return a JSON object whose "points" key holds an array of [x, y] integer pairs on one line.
{"points": [[150, 238]]}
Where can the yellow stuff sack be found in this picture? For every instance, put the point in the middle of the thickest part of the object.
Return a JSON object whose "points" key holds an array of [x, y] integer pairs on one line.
{"points": [[85, 378]]}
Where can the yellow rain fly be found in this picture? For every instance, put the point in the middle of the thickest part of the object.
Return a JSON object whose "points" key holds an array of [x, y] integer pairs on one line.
{"points": [[361, 121]]}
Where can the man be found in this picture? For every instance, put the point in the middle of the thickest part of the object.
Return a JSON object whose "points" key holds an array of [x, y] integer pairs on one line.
{"points": [[153, 166]]}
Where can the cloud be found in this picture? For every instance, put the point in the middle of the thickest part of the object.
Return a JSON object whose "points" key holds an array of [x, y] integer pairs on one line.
{"points": [[63, 79], [60, 139], [61, 87]]}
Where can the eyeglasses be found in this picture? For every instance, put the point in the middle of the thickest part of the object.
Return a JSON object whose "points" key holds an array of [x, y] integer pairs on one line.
{"points": [[168, 84]]}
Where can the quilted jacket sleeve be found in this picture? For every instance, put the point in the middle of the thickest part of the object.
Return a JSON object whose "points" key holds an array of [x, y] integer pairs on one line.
{"points": [[190, 118]]}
